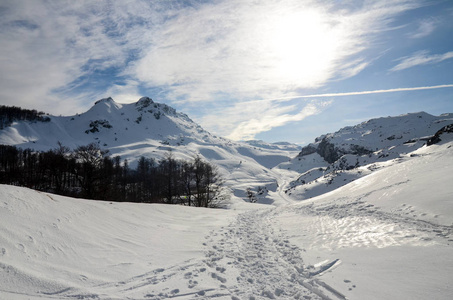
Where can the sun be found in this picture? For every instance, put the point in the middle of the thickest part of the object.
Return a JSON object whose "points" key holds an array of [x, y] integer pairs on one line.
{"points": [[303, 46]]}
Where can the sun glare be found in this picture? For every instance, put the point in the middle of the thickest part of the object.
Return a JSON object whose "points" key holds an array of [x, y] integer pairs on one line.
{"points": [[303, 47]]}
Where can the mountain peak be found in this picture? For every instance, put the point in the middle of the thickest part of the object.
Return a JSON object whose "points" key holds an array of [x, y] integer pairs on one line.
{"points": [[144, 102], [104, 100], [104, 105]]}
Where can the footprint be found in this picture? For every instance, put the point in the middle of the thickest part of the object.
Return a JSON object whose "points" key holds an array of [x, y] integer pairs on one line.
{"points": [[268, 294], [192, 283], [219, 278], [21, 247]]}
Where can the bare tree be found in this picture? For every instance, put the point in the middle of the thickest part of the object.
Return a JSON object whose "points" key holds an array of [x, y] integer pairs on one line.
{"points": [[89, 158]]}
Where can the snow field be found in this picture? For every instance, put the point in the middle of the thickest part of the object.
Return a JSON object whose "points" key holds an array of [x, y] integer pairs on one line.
{"points": [[56, 247], [391, 230], [386, 235]]}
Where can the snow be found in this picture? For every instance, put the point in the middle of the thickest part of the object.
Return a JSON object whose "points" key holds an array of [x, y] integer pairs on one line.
{"points": [[62, 247], [380, 140], [392, 230], [387, 235], [382, 133], [374, 226]]}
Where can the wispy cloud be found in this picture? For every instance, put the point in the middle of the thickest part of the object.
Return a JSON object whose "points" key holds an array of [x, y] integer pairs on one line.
{"points": [[50, 50], [421, 58], [242, 121], [357, 93], [252, 49], [425, 28], [247, 130], [239, 50]]}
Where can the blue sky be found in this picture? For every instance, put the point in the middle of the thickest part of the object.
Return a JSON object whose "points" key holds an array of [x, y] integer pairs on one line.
{"points": [[277, 70]]}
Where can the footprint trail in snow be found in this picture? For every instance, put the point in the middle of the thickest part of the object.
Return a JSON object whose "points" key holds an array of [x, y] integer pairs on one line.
{"points": [[252, 260]]}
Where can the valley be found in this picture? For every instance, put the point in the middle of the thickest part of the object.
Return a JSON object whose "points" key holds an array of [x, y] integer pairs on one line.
{"points": [[376, 223]]}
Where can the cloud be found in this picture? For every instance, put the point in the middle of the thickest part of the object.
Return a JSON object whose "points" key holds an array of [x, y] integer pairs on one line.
{"points": [[247, 130], [425, 28], [52, 52], [421, 58], [242, 121], [357, 93], [255, 49], [126, 93]]}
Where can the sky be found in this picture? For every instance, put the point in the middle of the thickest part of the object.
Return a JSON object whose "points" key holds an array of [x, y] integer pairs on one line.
{"points": [[275, 70]]}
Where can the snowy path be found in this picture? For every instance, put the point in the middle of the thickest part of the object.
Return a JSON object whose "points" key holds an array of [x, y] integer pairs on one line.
{"points": [[252, 260]]}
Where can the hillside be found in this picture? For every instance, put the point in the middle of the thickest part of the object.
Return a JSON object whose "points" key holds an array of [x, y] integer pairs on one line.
{"points": [[151, 129], [336, 159], [387, 235]]}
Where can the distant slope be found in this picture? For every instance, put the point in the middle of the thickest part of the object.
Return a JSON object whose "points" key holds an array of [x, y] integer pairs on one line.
{"points": [[336, 159]]}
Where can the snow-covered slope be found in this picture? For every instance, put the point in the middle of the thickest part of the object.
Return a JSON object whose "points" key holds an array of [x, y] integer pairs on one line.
{"points": [[387, 235], [124, 129], [336, 159], [53, 247], [151, 129]]}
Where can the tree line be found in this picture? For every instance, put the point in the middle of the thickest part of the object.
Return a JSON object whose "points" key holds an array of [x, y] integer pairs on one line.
{"points": [[9, 114], [89, 172]]}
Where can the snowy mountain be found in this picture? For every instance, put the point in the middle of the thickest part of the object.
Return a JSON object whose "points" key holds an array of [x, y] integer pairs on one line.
{"points": [[114, 126], [151, 129], [387, 235], [251, 169], [336, 159]]}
